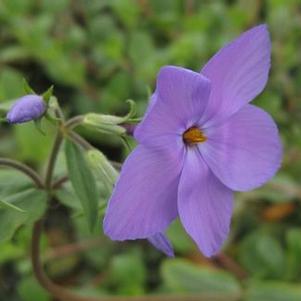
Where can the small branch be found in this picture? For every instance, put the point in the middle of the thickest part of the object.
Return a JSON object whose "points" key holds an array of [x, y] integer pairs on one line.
{"points": [[74, 122], [189, 7], [60, 182], [51, 287], [80, 140], [23, 168], [64, 294], [72, 248], [229, 264], [117, 165]]}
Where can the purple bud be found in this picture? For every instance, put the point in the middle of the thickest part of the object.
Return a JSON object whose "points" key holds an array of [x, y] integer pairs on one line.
{"points": [[26, 108]]}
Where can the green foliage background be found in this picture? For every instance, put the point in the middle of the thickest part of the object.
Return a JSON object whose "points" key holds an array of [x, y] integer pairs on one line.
{"points": [[98, 53]]}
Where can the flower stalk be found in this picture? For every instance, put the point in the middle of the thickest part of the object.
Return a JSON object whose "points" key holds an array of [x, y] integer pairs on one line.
{"points": [[23, 168]]}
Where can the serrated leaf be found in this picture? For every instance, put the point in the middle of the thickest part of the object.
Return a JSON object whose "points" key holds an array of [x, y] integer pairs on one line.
{"points": [[83, 182], [182, 276]]}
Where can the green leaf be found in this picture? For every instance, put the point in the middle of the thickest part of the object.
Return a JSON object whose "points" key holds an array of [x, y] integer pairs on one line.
{"points": [[31, 145], [29, 289], [48, 94], [5, 204], [256, 256], [180, 240], [127, 11], [109, 124], [67, 196], [128, 274], [10, 84], [293, 254], [12, 181], [38, 126], [273, 291], [27, 88], [31, 202], [5, 106], [103, 169], [182, 276], [83, 182]]}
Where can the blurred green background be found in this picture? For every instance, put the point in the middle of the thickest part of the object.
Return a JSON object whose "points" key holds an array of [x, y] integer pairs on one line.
{"points": [[98, 53]]}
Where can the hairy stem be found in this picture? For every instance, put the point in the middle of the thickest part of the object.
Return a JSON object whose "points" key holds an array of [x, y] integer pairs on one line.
{"points": [[23, 168], [53, 156], [60, 182], [74, 122], [80, 140]]}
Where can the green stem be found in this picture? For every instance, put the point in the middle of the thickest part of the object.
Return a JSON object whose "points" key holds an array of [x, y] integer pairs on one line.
{"points": [[80, 140], [74, 122], [23, 168], [53, 156], [60, 182]]}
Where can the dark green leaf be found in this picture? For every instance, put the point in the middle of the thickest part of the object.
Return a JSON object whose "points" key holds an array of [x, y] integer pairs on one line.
{"points": [[185, 277], [257, 257], [128, 273], [33, 204], [83, 182], [67, 196], [293, 254], [273, 291], [12, 181], [29, 289]]}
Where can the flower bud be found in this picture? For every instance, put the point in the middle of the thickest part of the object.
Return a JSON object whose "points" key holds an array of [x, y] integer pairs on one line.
{"points": [[106, 124], [102, 167], [26, 108], [109, 124]]}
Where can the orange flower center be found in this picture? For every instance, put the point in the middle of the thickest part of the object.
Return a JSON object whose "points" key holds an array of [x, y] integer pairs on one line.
{"points": [[194, 135]]}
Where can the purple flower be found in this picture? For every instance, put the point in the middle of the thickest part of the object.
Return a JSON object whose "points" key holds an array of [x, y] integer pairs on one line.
{"points": [[161, 242], [199, 141], [26, 108]]}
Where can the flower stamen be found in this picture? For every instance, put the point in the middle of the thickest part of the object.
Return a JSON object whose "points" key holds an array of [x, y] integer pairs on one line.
{"points": [[193, 135]]}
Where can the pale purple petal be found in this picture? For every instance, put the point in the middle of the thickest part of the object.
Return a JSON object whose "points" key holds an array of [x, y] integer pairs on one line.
{"points": [[180, 99], [162, 243], [238, 73], [26, 108], [204, 204], [144, 201], [245, 151]]}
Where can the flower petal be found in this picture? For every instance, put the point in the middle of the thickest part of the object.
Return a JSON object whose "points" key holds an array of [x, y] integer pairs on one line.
{"points": [[180, 99], [162, 243], [245, 151], [204, 204], [144, 200], [238, 73]]}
